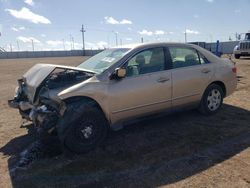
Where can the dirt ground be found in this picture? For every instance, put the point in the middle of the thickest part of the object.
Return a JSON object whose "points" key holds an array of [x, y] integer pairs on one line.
{"points": [[181, 150]]}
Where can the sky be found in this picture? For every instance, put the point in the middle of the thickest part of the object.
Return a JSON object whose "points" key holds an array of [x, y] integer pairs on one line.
{"points": [[56, 25]]}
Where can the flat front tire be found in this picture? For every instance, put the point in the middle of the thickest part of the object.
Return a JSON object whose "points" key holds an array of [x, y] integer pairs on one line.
{"points": [[212, 100], [85, 131]]}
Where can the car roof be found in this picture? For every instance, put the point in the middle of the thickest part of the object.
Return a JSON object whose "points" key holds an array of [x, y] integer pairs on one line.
{"points": [[152, 44]]}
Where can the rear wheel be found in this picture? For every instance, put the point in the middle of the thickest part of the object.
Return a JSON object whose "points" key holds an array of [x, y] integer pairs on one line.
{"points": [[212, 100], [86, 131], [237, 56]]}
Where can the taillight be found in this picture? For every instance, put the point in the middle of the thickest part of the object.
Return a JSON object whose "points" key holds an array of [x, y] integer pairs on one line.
{"points": [[234, 69]]}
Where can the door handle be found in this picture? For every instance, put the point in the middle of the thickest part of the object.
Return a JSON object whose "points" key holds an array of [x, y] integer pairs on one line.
{"points": [[161, 80], [205, 71]]}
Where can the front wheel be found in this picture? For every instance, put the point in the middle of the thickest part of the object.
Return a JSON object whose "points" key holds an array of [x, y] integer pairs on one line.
{"points": [[237, 56], [212, 100], [86, 131]]}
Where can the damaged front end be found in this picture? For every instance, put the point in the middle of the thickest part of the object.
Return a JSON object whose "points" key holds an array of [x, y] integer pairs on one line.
{"points": [[36, 96]]}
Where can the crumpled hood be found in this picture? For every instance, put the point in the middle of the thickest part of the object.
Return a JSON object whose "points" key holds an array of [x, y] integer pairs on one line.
{"points": [[38, 73]]}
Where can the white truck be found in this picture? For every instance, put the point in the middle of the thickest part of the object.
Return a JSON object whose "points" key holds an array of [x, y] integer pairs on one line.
{"points": [[243, 48]]}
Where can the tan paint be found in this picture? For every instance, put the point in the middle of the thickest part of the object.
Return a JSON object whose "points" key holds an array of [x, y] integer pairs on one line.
{"points": [[153, 92]]}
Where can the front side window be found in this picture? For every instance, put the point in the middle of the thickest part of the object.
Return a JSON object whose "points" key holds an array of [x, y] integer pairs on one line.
{"points": [[147, 61], [183, 57]]}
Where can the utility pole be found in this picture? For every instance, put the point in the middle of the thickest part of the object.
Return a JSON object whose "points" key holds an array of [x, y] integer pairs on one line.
{"points": [[32, 42], [116, 38], [18, 47], [70, 39], [10, 47], [142, 40], [185, 35], [83, 42], [73, 43], [63, 44]]}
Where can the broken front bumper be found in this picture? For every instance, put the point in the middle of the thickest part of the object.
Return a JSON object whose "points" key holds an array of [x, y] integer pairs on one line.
{"points": [[43, 117]]}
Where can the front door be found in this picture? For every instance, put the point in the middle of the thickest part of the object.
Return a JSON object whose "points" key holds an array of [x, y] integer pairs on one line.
{"points": [[146, 88]]}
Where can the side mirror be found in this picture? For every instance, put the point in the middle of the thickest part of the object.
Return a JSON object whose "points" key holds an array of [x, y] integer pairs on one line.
{"points": [[119, 73]]}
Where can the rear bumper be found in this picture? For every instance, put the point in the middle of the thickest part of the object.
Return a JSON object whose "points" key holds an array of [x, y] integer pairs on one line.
{"points": [[231, 87]]}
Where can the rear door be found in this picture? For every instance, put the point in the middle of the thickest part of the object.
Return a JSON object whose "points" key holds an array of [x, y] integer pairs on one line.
{"points": [[191, 73]]}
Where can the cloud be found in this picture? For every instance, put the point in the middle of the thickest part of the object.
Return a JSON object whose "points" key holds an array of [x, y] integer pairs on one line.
{"points": [[113, 21], [237, 11], [14, 29], [159, 32], [150, 33], [98, 45], [26, 14], [196, 16], [43, 35], [189, 31], [146, 32], [54, 42], [17, 28], [29, 2], [102, 44], [125, 21], [129, 39], [28, 39], [60, 44], [210, 1]]}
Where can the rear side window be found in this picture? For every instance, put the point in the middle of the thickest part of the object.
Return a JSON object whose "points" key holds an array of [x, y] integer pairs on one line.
{"points": [[184, 57]]}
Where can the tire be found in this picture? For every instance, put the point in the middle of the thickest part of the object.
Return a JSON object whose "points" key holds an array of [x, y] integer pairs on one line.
{"points": [[237, 56], [212, 100], [82, 128]]}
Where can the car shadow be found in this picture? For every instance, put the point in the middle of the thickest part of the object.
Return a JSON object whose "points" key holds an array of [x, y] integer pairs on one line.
{"points": [[245, 58], [154, 152]]}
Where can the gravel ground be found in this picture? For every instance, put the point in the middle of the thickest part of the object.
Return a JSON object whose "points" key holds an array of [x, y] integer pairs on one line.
{"points": [[180, 150]]}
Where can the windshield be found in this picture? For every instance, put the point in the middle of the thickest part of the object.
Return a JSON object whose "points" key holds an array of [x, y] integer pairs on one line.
{"points": [[104, 60], [247, 37]]}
